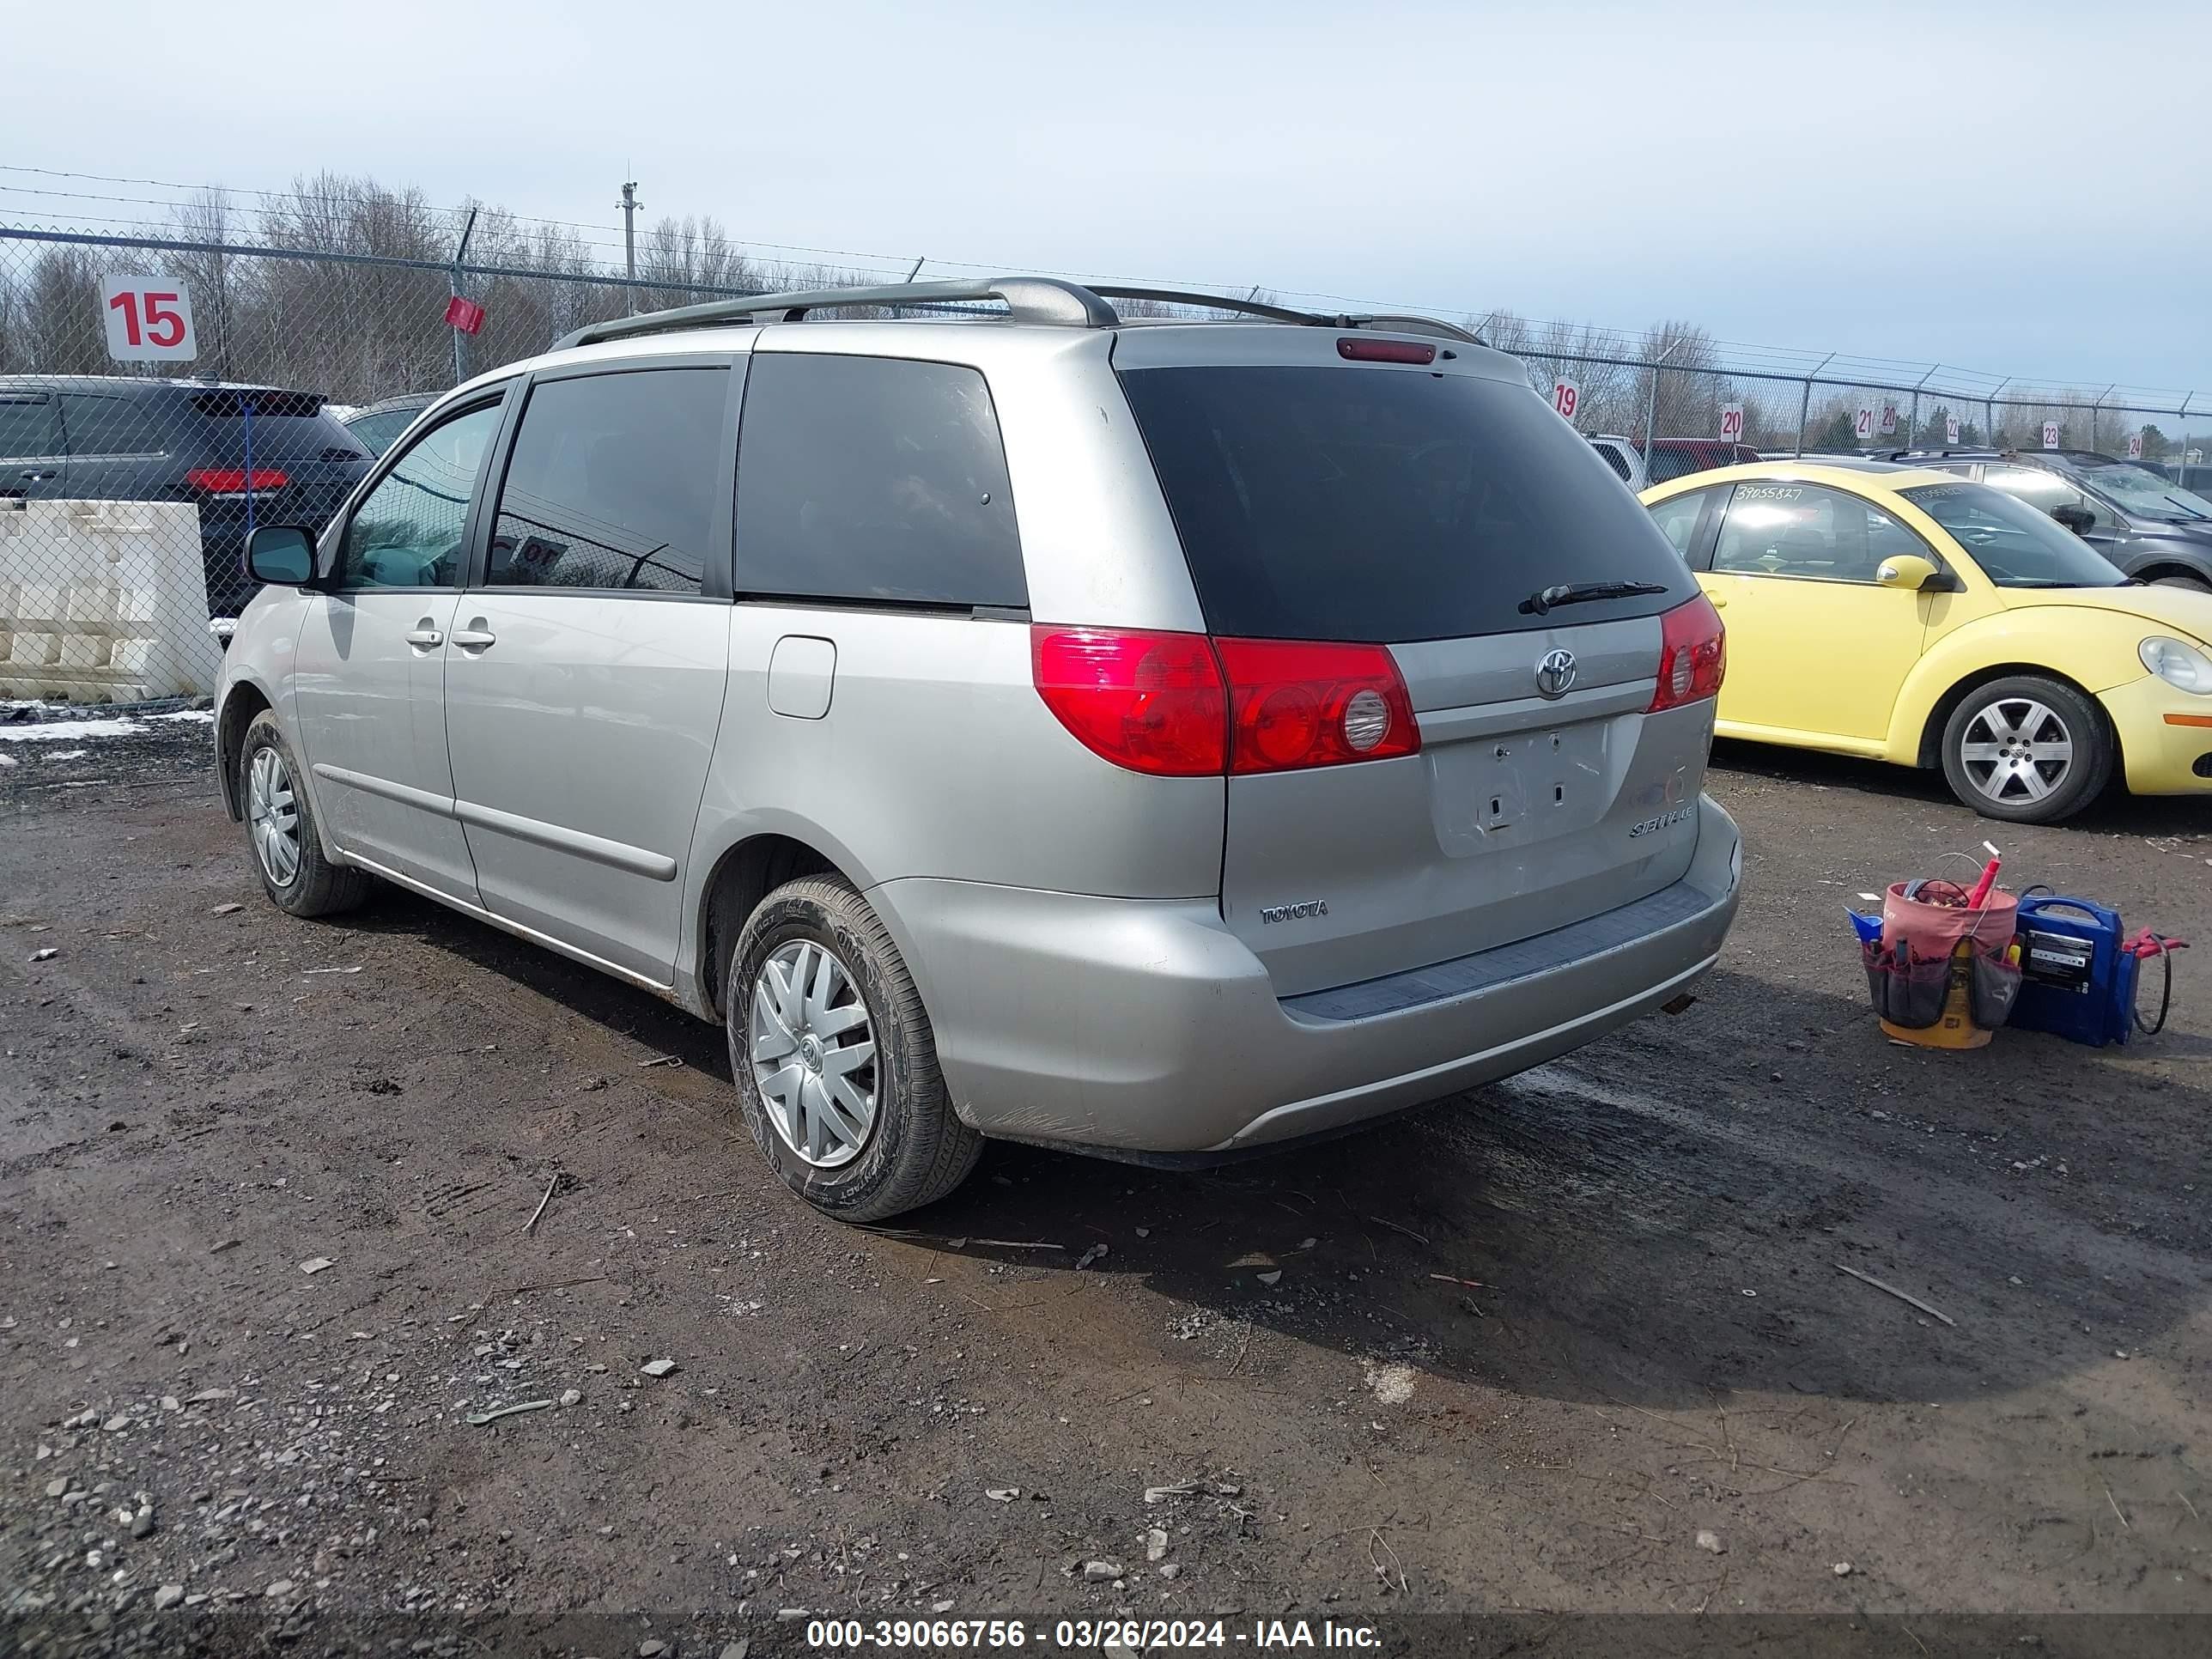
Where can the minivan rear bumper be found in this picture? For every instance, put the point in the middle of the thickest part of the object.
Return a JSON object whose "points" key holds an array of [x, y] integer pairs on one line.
{"points": [[1145, 1025]]}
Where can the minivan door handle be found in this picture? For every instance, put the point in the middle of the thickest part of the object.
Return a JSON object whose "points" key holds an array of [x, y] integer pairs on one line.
{"points": [[42, 475], [424, 636], [476, 636]]}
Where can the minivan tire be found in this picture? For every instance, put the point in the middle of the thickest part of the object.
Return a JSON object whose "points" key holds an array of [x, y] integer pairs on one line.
{"points": [[1998, 713], [916, 1149], [313, 885]]}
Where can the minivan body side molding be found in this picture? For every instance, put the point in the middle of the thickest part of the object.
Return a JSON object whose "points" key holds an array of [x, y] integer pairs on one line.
{"points": [[620, 855], [405, 794]]}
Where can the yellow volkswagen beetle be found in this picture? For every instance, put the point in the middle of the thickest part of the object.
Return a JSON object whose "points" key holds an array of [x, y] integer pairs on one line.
{"points": [[1908, 616]]}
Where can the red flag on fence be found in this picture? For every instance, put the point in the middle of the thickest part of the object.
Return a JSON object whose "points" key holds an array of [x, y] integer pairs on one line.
{"points": [[466, 315]]}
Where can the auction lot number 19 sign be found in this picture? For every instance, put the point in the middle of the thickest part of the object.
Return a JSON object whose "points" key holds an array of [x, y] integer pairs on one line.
{"points": [[1567, 399], [149, 318]]}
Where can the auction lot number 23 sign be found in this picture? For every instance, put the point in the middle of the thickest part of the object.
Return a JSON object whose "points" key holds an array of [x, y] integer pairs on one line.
{"points": [[149, 318]]}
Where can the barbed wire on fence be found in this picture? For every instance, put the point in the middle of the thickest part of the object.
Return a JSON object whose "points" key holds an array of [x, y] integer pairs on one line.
{"points": [[137, 468]]}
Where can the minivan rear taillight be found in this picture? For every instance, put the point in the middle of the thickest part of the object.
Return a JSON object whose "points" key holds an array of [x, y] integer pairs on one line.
{"points": [[1150, 701], [1293, 704], [1692, 655], [1182, 705]]}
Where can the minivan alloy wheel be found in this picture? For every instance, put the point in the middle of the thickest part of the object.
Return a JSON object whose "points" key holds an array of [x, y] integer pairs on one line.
{"points": [[2017, 750], [813, 1053], [274, 815]]}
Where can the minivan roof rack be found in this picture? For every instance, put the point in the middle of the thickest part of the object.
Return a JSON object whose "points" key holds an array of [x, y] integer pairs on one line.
{"points": [[1027, 299]]}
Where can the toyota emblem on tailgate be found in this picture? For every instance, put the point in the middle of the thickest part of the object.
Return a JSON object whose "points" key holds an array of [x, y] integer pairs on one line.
{"points": [[1555, 673]]}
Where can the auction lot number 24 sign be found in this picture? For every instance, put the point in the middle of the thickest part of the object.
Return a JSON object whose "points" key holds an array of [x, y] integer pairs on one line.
{"points": [[149, 318]]}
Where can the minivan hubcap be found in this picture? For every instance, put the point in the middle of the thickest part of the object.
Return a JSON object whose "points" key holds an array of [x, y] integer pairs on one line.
{"points": [[274, 817], [2017, 750], [813, 1053]]}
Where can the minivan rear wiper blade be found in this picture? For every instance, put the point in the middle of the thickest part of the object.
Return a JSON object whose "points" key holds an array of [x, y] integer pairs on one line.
{"points": [[1541, 602]]}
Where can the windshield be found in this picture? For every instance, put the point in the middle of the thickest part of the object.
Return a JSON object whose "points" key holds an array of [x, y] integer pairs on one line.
{"points": [[2140, 491], [2015, 545], [1378, 504]]}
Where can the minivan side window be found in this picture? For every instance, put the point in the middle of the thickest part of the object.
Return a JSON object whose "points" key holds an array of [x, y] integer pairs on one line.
{"points": [[28, 427], [407, 533], [613, 482], [874, 478]]}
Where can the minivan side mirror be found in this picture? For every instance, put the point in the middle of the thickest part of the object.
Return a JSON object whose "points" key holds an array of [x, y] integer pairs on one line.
{"points": [[1906, 570], [2078, 518], [282, 554]]}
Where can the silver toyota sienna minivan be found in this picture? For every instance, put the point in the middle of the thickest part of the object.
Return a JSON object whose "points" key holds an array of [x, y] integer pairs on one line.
{"points": [[1156, 738]]}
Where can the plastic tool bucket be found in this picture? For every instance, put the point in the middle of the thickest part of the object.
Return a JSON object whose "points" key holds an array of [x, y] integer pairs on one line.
{"points": [[1945, 945]]}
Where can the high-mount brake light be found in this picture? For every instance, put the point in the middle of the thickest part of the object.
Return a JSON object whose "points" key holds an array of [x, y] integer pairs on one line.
{"points": [[1354, 349]]}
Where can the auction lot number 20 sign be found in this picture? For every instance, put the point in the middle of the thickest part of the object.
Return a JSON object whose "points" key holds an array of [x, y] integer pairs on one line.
{"points": [[149, 318]]}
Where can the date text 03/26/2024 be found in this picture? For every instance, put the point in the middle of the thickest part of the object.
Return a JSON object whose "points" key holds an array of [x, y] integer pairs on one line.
{"points": [[1088, 1635]]}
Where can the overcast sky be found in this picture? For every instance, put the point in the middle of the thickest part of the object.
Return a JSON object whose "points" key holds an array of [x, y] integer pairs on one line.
{"points": [[2016, 188]]}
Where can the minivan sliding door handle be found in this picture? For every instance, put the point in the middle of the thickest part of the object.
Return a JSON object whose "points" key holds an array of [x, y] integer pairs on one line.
{"points": [[476, 638]]}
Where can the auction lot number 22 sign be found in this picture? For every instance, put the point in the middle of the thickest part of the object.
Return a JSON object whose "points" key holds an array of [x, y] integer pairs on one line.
{"points": [[149, 318]]}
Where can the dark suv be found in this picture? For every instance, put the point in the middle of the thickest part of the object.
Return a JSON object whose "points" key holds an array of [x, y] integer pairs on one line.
{"points": [[2149, 527], [240, 454]]}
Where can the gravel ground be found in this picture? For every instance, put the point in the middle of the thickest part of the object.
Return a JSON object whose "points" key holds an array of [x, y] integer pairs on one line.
{"points": [[1575, 1344]]}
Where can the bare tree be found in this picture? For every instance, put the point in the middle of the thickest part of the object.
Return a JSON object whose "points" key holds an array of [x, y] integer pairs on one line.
{"points": [[62, 330], [1690, 391]]}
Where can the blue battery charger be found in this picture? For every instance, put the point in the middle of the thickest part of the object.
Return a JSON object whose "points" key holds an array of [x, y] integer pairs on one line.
{"points": [[2075, 980]]}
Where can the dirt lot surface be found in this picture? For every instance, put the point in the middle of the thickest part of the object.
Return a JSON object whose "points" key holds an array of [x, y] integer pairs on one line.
{"points": [[1579, 1343]]}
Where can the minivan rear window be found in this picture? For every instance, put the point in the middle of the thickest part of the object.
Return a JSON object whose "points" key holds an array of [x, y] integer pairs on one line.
{"points": [[1380, 504]]}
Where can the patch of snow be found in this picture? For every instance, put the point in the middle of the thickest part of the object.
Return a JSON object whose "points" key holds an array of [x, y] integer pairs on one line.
{"points": [[205, 716], [7, 760], [65, 754], [70, 730]]}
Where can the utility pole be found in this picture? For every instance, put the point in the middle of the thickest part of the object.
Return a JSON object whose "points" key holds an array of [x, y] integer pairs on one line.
{"points": [[629, 205]]}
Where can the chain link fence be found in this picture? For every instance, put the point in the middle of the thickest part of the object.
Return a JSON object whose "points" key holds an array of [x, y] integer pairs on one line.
{"points": [[159, 395]]}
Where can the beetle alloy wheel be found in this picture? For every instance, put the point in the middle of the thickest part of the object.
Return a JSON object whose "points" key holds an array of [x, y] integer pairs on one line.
{"points": [[813, 1052], [273, 816], [2017, 750]]}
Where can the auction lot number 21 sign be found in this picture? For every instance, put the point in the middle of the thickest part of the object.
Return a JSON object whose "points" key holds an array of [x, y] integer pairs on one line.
{"points": [[149, 318]]}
